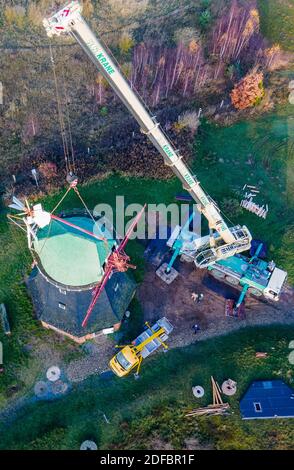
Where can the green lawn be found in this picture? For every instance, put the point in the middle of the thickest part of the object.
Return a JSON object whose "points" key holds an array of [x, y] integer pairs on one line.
{"points": [[220, 164], [269, 139], [152, 408], [277, 21], [14, 261]]}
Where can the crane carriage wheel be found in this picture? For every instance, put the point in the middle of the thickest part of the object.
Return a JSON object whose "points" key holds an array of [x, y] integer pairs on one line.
{"points": [[255, 292], [217, 274], [232, 280]]}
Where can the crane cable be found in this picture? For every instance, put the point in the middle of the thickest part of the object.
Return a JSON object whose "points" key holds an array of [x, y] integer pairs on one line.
{"points": [[60, 115], [68, 119], [67, 146]]}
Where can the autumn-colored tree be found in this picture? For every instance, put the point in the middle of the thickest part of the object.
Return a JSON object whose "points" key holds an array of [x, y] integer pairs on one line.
{"points": [[15, 15], [100, 89], [88, 8], [126, 42], [48, 170], [249, 91], [193, 46], [34, 15], [272, 55]]}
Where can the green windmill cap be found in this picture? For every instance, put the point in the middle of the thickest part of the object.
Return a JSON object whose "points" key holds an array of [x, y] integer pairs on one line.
{"points": [[71, 257]]}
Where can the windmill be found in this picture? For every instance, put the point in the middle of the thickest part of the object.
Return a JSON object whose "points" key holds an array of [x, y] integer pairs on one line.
{"points": [[31, 219]]}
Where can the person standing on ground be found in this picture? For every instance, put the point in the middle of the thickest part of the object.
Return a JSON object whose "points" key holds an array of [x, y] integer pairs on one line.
{"points": [[194, 296], [196, 328]]}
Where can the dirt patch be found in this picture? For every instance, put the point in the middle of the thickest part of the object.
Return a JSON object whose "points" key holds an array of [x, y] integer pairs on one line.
{"points": [[175, 302]]}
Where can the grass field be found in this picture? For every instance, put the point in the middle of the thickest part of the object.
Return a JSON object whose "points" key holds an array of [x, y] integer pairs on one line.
{"points": [[149, 411], [220, 163], [277, 21]]}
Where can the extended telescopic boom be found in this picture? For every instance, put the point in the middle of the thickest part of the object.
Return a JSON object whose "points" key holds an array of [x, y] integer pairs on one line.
{"points": [[223, 241]]}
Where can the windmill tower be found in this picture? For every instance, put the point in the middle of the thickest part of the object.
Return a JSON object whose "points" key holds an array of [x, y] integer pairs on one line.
{"points": [[75, 289]]}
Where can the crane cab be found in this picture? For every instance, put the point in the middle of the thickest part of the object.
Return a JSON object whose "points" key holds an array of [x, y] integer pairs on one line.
{"points": [[124, 361]]}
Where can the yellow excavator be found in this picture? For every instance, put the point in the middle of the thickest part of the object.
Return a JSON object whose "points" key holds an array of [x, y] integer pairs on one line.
{"points": [[132, 355]]}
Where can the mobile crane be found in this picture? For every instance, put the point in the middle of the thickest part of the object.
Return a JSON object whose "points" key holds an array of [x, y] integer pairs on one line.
{"points": [[220, 251], [222, 242]]}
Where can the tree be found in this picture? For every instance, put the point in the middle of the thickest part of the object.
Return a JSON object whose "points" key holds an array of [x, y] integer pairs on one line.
{"points": [[125, 43], [249, 91], [88, 8], [34, 15], [15, 15], [205, 19], [272, 55], [48, 170], [188, 119], [120, 14], [232, 34], [100, 89], [187, 35]]}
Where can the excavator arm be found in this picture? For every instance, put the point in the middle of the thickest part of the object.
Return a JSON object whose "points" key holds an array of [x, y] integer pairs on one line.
{"points": [[223, 241]]}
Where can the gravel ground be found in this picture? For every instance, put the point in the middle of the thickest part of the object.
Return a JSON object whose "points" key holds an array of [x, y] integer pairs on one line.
{"points": [[94, 363]]}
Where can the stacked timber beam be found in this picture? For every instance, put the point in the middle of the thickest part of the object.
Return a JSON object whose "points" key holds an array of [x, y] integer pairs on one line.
{"points": [[217, 408]]}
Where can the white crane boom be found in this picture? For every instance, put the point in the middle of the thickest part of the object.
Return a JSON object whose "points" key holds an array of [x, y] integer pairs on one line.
{"points": [[223, 241]]}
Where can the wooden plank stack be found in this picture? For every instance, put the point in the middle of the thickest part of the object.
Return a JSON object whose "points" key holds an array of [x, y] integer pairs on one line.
{"points": [[217, 408]]}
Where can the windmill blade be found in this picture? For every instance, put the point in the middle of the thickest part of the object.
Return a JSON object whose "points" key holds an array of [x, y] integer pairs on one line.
{"points": [[15, 206], [27, 204], [17, 202]]}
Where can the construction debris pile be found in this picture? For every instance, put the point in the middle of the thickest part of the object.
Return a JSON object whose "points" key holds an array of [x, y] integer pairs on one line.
{"points": [[248, 204], [217, 408]]}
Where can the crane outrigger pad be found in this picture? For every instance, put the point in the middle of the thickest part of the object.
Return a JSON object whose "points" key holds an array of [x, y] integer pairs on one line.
{"points": [[167, 277]]}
